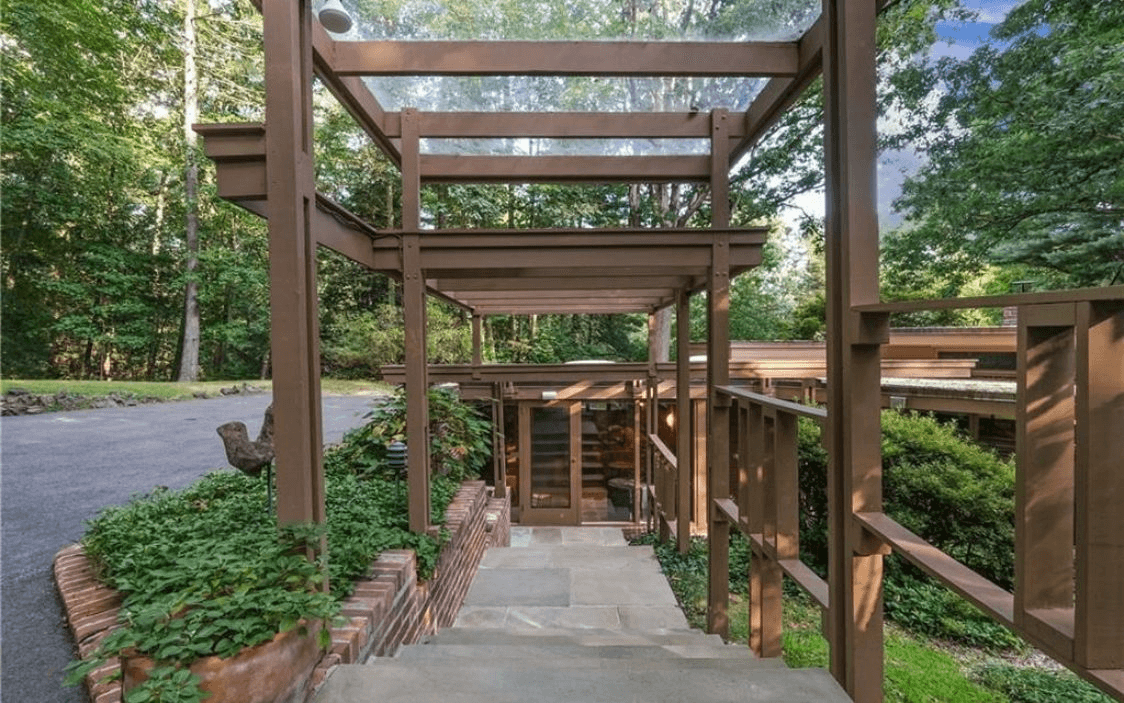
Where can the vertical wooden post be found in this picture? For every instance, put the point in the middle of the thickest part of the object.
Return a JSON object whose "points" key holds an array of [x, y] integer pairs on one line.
{"points": [[294, 321], [1044, 479], [1099, 626], [684, 455], [499, 443], [718, 374], [853, 430], [413, 310]]}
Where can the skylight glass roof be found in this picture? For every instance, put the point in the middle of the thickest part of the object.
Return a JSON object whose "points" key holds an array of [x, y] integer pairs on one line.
{"points": [[567, 147], [662, 20], [563, 93]]}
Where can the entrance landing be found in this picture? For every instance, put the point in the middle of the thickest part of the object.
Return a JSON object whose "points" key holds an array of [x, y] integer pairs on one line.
{"points": [[574, 615]]}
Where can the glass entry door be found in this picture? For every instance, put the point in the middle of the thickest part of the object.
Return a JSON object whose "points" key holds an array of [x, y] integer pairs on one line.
{"points": [[551, 492]]}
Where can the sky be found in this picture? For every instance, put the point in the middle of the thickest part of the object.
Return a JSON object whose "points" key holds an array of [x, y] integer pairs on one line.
{"points": [[957, 40]]}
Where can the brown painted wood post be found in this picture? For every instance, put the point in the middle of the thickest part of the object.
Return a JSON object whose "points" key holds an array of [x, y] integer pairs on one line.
{"points": [[499, 443], [718, 374], [294, 319], [853, 430], [684, 454], [413, 311], [1099, 626], [1044, 478]]}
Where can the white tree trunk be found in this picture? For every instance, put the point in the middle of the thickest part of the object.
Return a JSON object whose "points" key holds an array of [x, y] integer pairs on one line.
{"points": [[189, 358]]}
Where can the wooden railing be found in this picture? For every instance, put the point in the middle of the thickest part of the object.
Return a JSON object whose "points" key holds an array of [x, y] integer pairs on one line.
{"points": [[1069, 506], [764, 504], [664, 489]]}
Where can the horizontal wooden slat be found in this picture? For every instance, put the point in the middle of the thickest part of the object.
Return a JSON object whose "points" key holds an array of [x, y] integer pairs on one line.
{"points": [[564, 58], [665, 453], [984, 594], [999, 301], [566, 125], [563, 169], [774, 403], [808, 580], [727, 507]]}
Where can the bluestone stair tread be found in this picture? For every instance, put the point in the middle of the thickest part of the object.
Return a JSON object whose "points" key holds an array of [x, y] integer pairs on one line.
{"points": [[651, 682], [590, 636], [550, 651], [574, 615]]}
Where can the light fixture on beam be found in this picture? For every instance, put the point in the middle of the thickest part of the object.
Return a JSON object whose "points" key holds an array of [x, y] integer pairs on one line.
{"points": [[334, 17]]}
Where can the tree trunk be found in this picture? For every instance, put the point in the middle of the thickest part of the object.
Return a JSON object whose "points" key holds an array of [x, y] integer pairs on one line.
{"points": [[189, 358], [659, 337]]}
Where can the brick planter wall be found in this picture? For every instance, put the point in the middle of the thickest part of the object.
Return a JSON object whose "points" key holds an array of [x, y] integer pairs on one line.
{"points": [[388, 609]]}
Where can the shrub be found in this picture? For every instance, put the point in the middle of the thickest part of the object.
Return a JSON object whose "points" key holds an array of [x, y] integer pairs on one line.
{"points": [[953, 493], [460, 438]]}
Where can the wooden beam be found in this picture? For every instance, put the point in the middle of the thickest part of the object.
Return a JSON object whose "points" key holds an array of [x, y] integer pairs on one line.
{"points": [[352, 94], [780, 93], [853, 436], [294, 328], [414, 322], [1099, 640], [562, 125], [718, 374], [564, 58], [563, 169], [684, 455]]}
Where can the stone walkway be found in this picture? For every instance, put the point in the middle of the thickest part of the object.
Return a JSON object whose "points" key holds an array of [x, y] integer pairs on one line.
{"points": [[574, 615]]}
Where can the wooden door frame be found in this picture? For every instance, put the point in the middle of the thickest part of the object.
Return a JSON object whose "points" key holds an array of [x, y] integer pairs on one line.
{"points": [[549, 516]]}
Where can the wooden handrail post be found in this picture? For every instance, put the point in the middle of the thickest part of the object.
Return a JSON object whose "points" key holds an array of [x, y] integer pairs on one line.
{"points": [[1099, 626], [1044, 478], [684, 450], [854, 628], [414, 317], [718, 374]]}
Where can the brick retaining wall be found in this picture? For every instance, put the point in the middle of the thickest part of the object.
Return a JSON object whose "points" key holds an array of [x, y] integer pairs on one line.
{"points": [[387, 609]]}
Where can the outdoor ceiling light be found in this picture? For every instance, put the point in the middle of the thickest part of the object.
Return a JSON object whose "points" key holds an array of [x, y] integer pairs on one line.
{"points": [[334, 17]]}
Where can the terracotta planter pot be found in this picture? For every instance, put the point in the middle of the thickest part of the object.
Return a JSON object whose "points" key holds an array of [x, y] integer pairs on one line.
{"points": [[267, 673]]}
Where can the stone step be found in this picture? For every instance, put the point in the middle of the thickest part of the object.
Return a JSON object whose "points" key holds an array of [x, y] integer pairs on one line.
{"points": [[583, 636], [553, 652], [574, 556], [608, 681]]}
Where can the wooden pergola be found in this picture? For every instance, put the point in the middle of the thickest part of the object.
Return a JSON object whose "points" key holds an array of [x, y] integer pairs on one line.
{"points": [[269, 170]]}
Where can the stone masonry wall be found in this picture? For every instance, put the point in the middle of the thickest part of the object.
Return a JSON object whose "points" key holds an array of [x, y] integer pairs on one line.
{"points": [[387, 609]]}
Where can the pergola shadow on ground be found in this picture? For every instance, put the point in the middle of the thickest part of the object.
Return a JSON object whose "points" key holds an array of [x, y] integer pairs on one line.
{"points": [[1069, 598]]}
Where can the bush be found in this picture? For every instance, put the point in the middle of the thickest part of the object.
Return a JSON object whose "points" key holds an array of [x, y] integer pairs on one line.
{"points": [[953, 493], [460, 438], [357, 346]]}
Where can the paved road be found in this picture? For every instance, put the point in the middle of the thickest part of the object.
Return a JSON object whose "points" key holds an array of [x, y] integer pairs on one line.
{"points": [[57, 470]]}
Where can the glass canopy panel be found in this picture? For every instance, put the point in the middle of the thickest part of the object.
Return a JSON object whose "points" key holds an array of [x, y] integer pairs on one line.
{"points": [[567, 147], [559, 20], [563, 93]]}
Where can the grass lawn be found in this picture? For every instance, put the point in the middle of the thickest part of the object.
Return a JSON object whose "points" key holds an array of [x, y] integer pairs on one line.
{"points": [[176, 391]]}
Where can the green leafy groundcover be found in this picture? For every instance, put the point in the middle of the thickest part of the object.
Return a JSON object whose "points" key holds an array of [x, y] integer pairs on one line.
{"points": [[207, 571]]}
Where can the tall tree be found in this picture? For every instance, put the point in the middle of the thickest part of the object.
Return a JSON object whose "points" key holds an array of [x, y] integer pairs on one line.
{"points": [[1025, 163], [189, 347]]}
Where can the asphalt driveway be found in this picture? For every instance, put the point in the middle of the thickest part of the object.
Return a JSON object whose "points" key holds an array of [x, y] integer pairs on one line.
{"points": [[59, 469]]}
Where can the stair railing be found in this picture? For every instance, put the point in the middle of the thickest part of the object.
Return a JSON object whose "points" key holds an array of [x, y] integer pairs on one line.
{"points": [[1069, 491]]}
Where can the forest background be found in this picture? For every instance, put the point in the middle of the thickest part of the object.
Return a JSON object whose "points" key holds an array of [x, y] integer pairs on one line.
{"points": [[117, 259]]}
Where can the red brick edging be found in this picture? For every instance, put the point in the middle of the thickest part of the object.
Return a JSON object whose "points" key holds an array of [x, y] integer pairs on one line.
{"points": [[387, 609]]}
